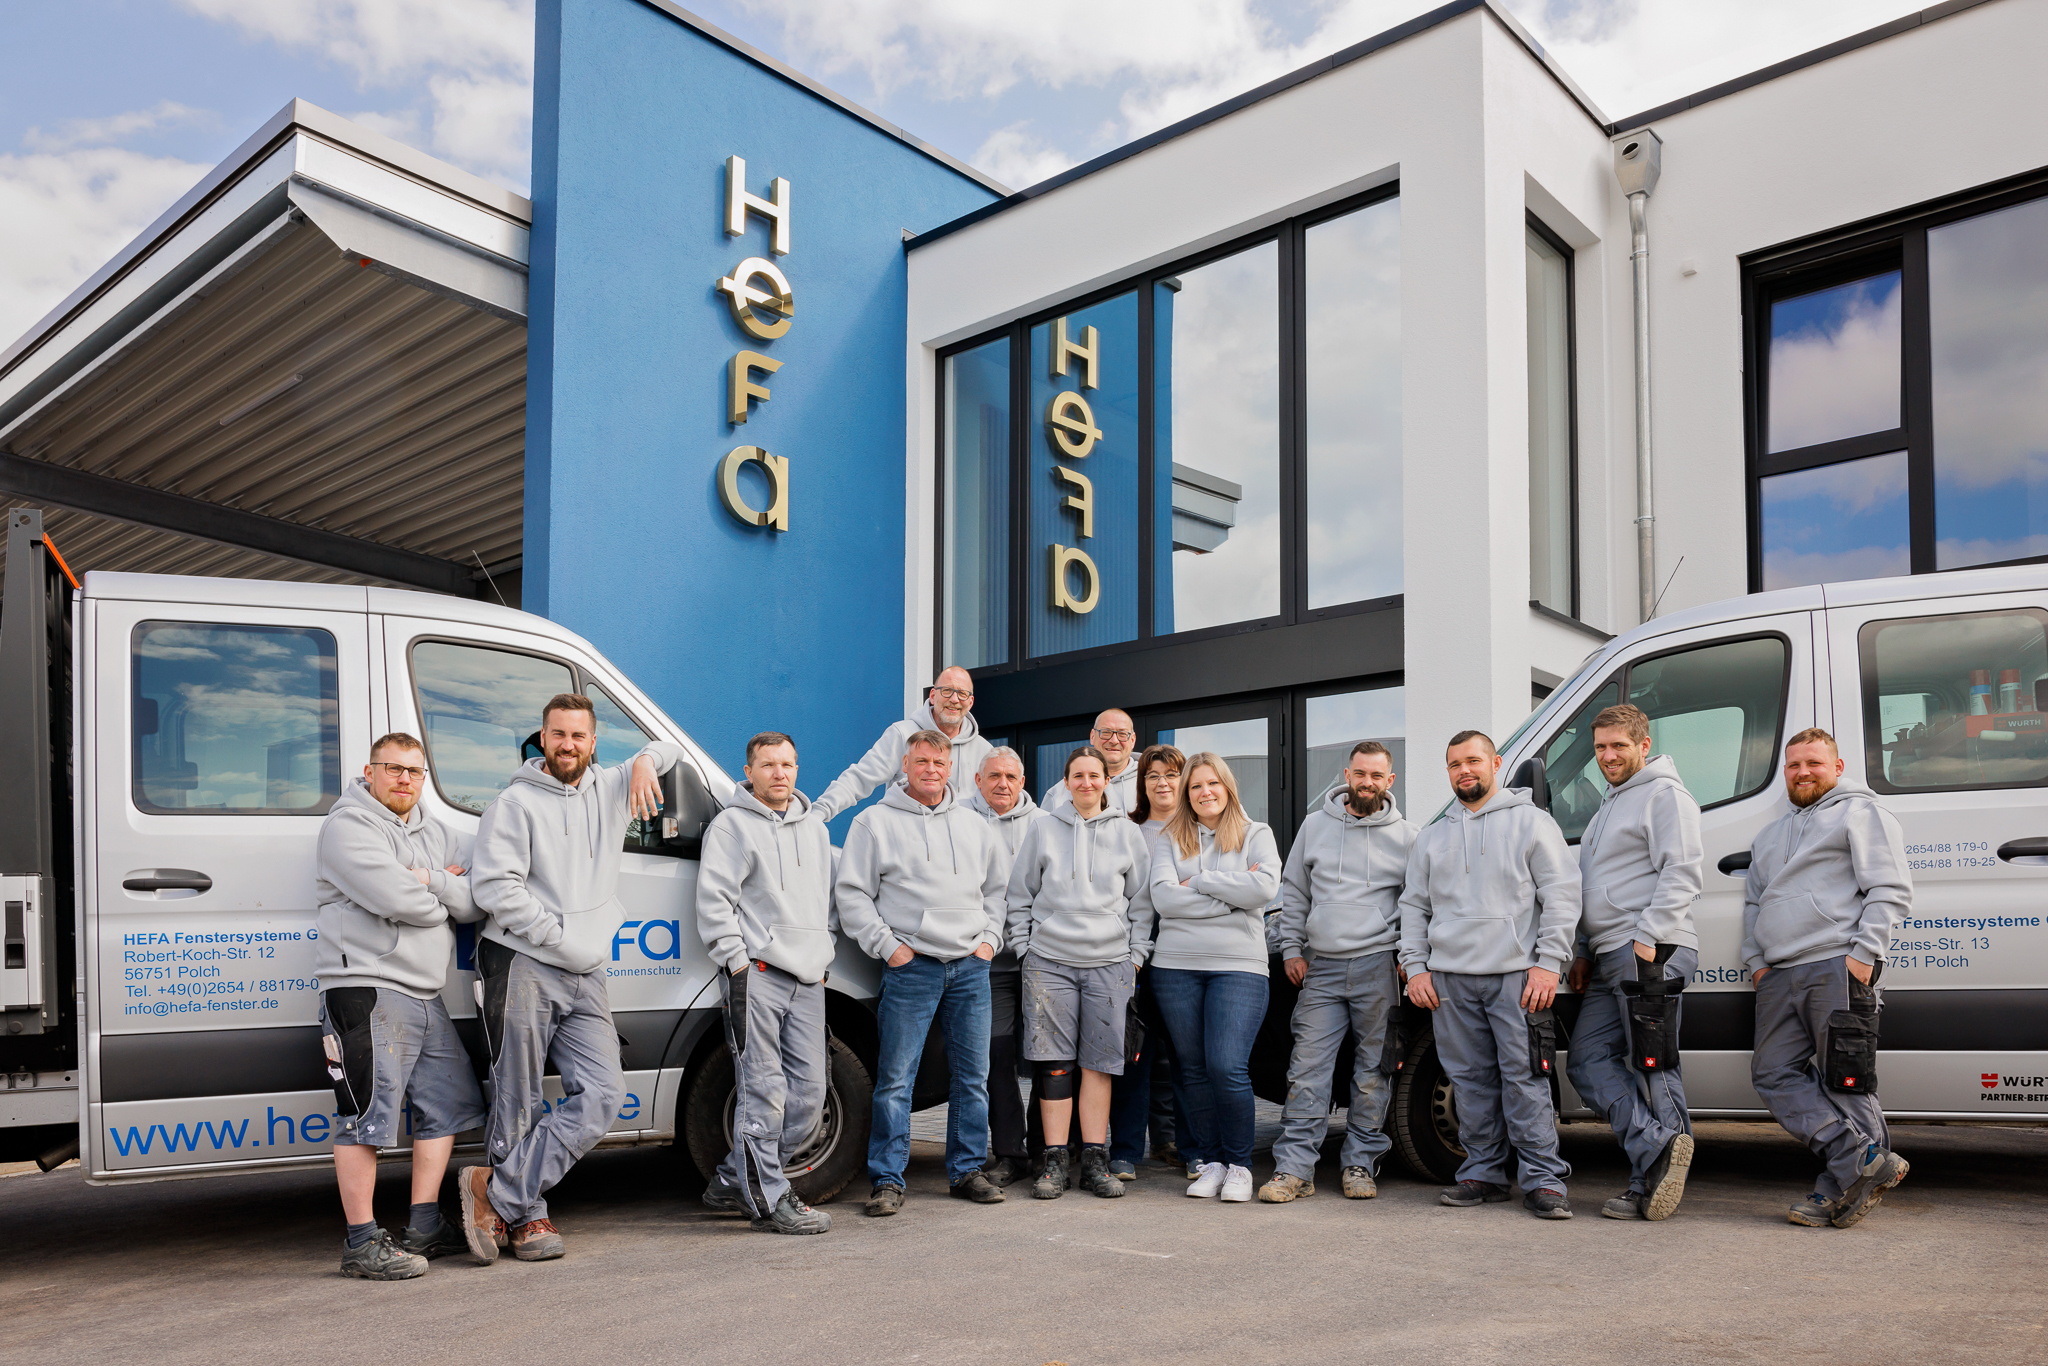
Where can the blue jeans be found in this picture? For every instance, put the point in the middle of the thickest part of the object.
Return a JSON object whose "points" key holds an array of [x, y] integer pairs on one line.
{"points": [[957, 993], [1213, 1018]]}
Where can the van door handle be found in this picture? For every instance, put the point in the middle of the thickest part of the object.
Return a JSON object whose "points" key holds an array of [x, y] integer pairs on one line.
{"points": [[2012, 851], [1732, 864], [169, 880]]}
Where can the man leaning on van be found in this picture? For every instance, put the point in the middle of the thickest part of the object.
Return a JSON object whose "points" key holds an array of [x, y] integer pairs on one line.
{"points": [[389, 882], [546, 873], [1828, 883]]}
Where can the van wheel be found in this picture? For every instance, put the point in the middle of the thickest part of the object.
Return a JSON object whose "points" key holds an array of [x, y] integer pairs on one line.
{"points": [[1426, 1117], [821, 1167]]}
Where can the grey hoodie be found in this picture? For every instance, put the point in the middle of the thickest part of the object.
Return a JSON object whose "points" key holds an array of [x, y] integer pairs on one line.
{"points": [[1217, 923], [1826, 881], [1119, 794], [929, 877], [764, 887], [1639, 862], [546, 868], [1340, 895], [1490, 892], [884, 763], [1080, 891], [378, 926], [1009, 828]]}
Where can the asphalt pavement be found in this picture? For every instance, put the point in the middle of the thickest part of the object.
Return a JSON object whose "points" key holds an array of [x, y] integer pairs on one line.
{"points": [[1949, 1269]]}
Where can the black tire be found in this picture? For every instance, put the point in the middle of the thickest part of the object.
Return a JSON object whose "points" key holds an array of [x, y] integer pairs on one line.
{"points": [[1425, 1127], [838, 1150]]}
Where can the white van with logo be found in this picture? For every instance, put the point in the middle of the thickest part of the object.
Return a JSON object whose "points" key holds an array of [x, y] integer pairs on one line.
{"points": [[1936, 689], [178, 742]]}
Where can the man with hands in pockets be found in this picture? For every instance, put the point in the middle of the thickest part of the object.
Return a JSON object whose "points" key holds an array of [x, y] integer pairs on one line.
{"points": [[764, 911], [1487, 919]]}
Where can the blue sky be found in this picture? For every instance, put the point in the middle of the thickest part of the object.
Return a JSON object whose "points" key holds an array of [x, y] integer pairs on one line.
{"points": [[113, 108]]}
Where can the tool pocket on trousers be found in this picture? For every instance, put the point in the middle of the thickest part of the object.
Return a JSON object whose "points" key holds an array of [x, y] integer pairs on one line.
{"points": [[1134, 1034], [1851, 1053], [1653, 1032], [1400, 1033], [1543, 1032], [493, 978], [736, 1009], [351, 1053]]}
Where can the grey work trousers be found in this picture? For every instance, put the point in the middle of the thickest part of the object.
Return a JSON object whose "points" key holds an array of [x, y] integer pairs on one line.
{"points": [[1645, 1109], [536, 1015], [1338, 995], [1482, 1038], [1792, 1008], [780, 1064]]}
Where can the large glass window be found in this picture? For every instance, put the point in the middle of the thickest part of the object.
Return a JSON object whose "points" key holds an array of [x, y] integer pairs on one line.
{"points": [[1216, 441], [1954, 702], [1244, 746], [1987, 295], [1835, 363], [1553, 518], [1353, 366], [976, 524], [1835, 522], [478, 706], [1339, 721], [235, 720]]}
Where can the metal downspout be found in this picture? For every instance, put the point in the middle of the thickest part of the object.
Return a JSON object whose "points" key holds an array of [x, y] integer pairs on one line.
{"points": [[1638, 162]]}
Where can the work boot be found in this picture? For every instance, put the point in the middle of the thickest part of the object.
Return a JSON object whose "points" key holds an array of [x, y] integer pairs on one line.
{"points": [[1053, 1179], [1547, 1204], [1466, 1194], [884, 1200], [443, 1240], [1284, 1188], [381, 1259], [1168, 1155], [792, 1215], [1095, 1177], [1359, 1185], [1664, 1185], [1881, 1170], [482, 1228], [977, 1187], [536, 1241], [1813, 1212], [1124, 1171], [1006, 1170], [723, 1198], [1627, 1205]]}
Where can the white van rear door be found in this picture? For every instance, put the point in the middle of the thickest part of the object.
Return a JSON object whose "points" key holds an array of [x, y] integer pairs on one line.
{"points": [[220, 737], [1937, 705]]}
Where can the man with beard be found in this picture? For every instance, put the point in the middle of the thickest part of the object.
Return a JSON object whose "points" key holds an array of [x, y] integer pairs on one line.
{"points": [[1639, 867], [1000, 799], [948, 709], [1340, 899], [1828, 883], [1491, 902], [545, 872], [1114, 734]]}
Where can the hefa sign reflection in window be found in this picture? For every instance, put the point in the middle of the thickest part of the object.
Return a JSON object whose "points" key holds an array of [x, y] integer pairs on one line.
{"points": [[1070, 429], [764, 305]]}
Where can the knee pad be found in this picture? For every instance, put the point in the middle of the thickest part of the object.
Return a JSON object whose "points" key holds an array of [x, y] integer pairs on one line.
{"points": [[1056, 1080]]}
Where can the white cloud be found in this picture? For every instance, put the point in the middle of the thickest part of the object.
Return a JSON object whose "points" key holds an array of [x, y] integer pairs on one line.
{"points": [[1019, 158], [87, 132]]}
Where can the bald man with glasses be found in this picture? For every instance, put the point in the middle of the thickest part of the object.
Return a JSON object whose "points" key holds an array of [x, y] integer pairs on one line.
{"points": [[948, 708], [1116, 736]]}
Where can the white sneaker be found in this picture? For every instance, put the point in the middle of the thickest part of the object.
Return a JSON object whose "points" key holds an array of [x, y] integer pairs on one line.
{"points": [[1238, 1185], [1205, 1186]]}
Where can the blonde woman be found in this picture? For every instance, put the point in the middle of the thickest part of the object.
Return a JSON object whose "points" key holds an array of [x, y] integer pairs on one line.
{"points": [[1214, 872]]}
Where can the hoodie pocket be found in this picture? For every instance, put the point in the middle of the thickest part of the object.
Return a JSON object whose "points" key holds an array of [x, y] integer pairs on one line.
{"points": [[1344, 926], [800, 949], [951, 927], [359, 937], [1470, 943], [1793, 926]]}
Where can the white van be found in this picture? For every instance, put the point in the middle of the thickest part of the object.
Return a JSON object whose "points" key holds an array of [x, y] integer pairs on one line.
{"points": [[158, 983], [1934, 686]]}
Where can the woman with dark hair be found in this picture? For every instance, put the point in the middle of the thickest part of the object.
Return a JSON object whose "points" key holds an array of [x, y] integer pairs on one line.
{"points": [[1080, 922], [1144, 1096], [1214, 872]]}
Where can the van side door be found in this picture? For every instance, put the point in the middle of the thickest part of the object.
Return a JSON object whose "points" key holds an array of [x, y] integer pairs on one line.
{"points": [[1938, 711]]}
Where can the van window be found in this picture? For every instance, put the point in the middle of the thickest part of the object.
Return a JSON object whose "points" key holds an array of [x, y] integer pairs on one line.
{"points": [[1715, 709], [478, 705], [235, 720], [1954, 702], [619, 736]]}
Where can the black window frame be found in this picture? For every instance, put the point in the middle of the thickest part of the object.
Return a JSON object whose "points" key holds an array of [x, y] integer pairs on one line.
{"points": [[1895, 241], [1292, 302], [1866, 682], [1571, 367]]}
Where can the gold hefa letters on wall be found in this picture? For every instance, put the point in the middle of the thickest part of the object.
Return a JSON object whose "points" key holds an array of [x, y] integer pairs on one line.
{"points": [[764, 314], [1071, 431]]}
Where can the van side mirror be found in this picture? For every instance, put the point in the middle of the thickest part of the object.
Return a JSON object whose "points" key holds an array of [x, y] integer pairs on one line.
{"points": [[687, 808], [1533, 776]]}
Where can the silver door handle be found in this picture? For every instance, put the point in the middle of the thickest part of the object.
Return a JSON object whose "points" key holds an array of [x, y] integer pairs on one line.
{"points": [[170, 879]]}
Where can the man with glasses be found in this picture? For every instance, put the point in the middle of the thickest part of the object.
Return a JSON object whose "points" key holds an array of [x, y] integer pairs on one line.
{"points": [[389, 882], [948, 709], [1115, 735]]}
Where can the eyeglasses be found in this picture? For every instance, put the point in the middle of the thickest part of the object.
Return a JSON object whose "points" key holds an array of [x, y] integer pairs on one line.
{"points": [[953, 694], [401, 771], [1124, 735]]}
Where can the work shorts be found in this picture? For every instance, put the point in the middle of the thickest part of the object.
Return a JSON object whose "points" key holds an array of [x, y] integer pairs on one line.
{"points": [[384, 1047], [1077, 1013]]}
